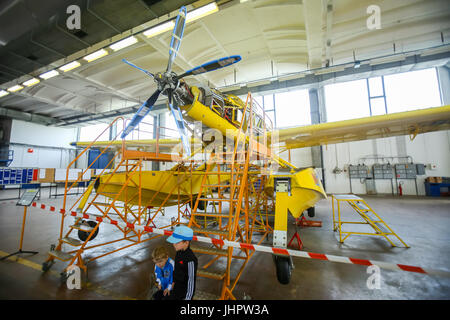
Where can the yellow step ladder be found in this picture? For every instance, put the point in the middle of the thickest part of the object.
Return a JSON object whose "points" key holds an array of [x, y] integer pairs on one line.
{"points": [[369, 216]]}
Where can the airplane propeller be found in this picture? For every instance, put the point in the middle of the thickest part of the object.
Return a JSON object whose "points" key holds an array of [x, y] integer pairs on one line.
{"points": [[168, 82]]}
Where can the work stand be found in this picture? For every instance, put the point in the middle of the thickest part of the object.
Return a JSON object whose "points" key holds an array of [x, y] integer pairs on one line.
{"points": [[25, 201]]}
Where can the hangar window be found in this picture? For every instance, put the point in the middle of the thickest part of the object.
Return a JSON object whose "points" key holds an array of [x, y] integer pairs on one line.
{"points": [[412, 90], [347, 100], [170, 129], [269, 108], [91, 132], [292, 108], [145, 129]]}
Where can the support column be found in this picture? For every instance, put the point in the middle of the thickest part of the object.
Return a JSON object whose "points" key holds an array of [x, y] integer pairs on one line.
{"points": [[316, 101], [156, 126]]}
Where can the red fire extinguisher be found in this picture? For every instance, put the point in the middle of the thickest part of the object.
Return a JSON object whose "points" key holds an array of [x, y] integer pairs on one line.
{"points": [[400, 191]]}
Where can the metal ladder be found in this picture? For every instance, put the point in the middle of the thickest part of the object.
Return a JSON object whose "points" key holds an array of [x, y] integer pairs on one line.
{"points": [[369, 216]]}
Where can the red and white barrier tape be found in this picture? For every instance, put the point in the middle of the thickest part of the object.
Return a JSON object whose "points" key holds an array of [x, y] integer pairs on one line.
{"points": [[259, 248]]}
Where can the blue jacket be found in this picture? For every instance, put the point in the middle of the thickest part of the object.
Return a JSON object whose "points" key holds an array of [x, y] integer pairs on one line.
{"points": [[164, 276]]}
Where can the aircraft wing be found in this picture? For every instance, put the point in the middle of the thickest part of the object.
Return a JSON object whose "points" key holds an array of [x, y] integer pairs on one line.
{"points": [[165, 145], [394, 124]]}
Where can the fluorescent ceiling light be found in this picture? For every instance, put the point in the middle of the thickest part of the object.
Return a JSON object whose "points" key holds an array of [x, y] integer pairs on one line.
{"points": [[258, 83], [3, 93], [49, 74], [123, 43], [15, 88], [429, 52], [292, 76], [96, 55], [70, 66], [31, 82], [329, 70], [159, 29], [389, 59], [202, 12]]}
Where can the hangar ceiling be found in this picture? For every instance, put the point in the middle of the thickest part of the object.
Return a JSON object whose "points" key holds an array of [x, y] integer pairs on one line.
{"points": [[274, 38]]}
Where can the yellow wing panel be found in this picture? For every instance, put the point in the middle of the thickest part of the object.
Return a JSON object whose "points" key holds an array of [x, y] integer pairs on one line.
{"points": [[395, 124], [165, 145]]}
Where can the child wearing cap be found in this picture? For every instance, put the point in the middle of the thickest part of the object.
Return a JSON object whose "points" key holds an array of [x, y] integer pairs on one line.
{"points": [[163, 271], [185, 273]]}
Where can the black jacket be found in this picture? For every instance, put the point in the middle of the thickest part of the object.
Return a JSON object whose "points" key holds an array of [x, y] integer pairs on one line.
{"points": [[184, 275]]}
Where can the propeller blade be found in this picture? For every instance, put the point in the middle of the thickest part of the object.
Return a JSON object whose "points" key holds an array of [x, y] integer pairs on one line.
{"points": [[176, 112], [212, 65], [151, 75], [177, 35], [141, 113]]}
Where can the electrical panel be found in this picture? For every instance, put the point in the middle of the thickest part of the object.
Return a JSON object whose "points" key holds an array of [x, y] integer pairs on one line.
{"points": [[382, 171], [405, 171], [420, 169], [359, 171]]}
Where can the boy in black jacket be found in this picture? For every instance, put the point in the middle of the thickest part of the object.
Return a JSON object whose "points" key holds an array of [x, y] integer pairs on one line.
{"points": [[185, 273]]}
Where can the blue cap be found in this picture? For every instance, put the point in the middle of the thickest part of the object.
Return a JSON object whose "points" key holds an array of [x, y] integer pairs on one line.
{"points": [[181, 233]]}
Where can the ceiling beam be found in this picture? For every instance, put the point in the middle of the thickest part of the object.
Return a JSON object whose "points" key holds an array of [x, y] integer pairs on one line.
{"points": [[313, 13], [25, 116]]}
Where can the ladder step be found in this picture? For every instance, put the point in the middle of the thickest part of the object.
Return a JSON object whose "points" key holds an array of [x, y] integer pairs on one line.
{"points": [[104, 204], [383, 228], [218, 185], [361, 206], [222, 172], [210, 274], [201, 295], [210, 231], [81, 227], [211, 251], [217, 199], [61, 255], [211, 214], [72, 241]]}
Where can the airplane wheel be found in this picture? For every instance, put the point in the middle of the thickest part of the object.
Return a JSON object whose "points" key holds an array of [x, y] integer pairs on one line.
{"points": [[311, 212], [284, 269], [201, 205], [83, 235]]}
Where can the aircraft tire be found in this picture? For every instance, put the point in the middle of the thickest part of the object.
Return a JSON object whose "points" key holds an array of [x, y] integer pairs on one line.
{"points": [[201, 204], [284, 269], [83, 235], [311, 212]]}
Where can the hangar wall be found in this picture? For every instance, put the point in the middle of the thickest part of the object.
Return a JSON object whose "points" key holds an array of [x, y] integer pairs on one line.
{"points": [[428, 148], [51, 145]]}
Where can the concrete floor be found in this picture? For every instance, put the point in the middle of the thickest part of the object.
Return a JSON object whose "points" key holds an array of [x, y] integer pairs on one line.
{"points": [[421, 222]]}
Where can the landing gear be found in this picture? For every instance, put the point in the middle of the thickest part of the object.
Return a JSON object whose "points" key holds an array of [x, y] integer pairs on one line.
{"points": [[201, 204], [284, 266], [83, 235], [311, 212]]}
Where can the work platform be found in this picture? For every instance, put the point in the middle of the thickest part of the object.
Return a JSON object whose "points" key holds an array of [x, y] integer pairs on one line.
{"points": [[369, 216]]}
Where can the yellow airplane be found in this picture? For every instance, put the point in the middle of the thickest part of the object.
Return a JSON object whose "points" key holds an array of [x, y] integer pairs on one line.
{"points": [[293, 190]]}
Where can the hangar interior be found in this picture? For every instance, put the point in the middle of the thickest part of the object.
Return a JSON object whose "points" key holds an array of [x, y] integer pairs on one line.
{"points": [[305, 63]]}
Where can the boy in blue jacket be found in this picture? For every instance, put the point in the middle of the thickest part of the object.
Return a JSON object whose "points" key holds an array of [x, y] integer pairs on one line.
{"points": [[164, 267]]}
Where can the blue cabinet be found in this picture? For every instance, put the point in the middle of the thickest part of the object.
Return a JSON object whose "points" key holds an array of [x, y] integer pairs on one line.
{"points": [[436, 189]]}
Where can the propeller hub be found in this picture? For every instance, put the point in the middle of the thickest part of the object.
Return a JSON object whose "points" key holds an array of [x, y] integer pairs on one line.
{"points": [[166, 80]]}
